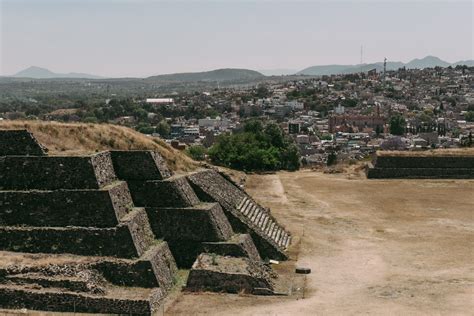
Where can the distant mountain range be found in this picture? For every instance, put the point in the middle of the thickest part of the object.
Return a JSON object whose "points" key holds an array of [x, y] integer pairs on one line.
{"points": [[278, 72], [227, 74], [427, 62], [233, 74], [43, 73]]}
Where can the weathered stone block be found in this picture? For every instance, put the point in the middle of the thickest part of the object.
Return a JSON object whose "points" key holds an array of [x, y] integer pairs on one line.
{"points": [[140, 165], [20, 143], [87, 208], [240, 245], [172, 192], [444, 162], [155, 268], [130, 239], [209, 185], [420, 173], [228, 274], [132, 303], [53, 173], [202, 222]]}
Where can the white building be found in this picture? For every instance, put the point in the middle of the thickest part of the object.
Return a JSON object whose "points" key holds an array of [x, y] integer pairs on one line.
{"points": [[160, 101]]}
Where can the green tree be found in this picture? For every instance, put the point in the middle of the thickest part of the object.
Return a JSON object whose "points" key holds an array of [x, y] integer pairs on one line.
{"points": [[469, 116], [196, 152], [397, 125], [256, 147], [163, 128]]}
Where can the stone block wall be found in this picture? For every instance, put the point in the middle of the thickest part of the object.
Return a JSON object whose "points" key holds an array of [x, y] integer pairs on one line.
{"points": [[227, 274], [20, 143], [140, 165], [53, 173], [129, 239], [202, 222], [87, 208], [172, 192], [18, 298], [240, 245], [418, 167]]}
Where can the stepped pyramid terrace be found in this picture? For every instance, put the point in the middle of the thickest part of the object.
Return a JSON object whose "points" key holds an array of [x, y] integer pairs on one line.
{"points": [[107, 232]]}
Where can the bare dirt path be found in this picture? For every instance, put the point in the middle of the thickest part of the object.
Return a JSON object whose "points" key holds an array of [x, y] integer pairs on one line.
{"points": [[392, 247]]}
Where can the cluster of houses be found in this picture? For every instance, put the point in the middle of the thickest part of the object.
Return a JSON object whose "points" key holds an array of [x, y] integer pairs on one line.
{"points": [[346, 114]]}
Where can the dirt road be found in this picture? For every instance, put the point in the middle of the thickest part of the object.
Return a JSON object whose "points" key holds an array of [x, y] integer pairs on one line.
{"points": [[392, 247]]}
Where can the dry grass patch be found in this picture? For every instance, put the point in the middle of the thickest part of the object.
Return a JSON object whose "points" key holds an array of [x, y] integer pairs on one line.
{"points": [[81, 139], [429, 153]]}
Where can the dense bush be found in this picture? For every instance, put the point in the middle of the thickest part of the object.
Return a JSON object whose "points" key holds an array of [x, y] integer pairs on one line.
{"points": [[197, 152], [256, 148]]}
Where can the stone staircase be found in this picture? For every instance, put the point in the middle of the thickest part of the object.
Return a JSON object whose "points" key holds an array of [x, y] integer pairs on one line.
{"points": [[263, 221], [244, 214]]}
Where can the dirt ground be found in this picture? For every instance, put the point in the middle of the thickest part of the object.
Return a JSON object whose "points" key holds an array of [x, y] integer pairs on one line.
{"points": [[391, 247]]}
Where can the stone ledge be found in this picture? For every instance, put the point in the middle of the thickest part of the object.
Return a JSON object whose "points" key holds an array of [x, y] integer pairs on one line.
{"points": [[86, 208], [420, 173], [139, 165], [202, 222], [240, 245], [125, 302], [20, 142], [172, 192], [130, 239], [226, 274], [444, 162], [56, 172]]}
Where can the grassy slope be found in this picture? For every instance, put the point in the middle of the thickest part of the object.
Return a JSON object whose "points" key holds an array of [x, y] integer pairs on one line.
{"points": [[77, 139]]}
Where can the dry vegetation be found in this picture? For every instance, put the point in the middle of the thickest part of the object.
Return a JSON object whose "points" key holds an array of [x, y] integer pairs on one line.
{"points": [[430, 153], [80, 139]]}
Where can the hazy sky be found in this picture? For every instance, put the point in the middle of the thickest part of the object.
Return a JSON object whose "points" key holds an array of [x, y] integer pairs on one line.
{"points": [[145, 37]]}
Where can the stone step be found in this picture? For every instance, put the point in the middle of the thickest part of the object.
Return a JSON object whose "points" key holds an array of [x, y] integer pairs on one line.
{"points": [[264, 222], [241, 275], [288, 241], [139, 165], [244, 214], [83, 208], [278, 236], [130, 239], [245, 205], [171, 192], [240, 245], [283, 240], [56, 172], [420, 173], [274, 231], [116, 300], [241, 204], [269, 229], [201, 222], [210, 184], [257, 214], [258, 218], [138, 272], [253, 212], [247, 208], [69, 283], [20, 143]]}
